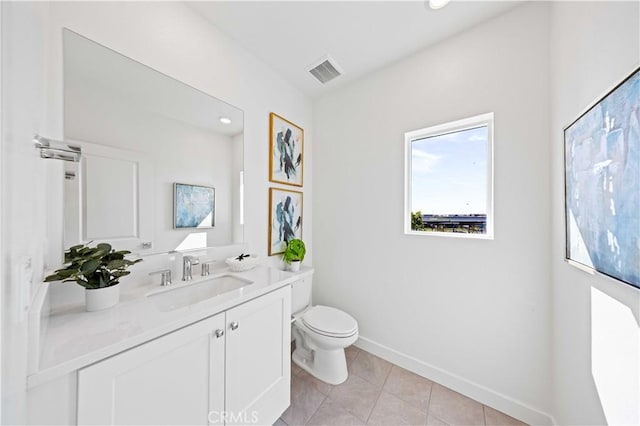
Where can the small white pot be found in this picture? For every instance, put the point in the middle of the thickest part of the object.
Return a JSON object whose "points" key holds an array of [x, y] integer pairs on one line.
{"points": [[294, 266], [98, 299]]}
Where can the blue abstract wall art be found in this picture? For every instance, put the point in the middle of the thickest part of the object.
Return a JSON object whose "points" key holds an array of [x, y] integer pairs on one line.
{"points": [[286, 151], [194, 206], [285, 218], [602, 184]]}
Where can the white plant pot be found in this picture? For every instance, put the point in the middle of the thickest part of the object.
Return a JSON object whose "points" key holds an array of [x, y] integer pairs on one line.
{"points": [[98, 299], [294, 266]]}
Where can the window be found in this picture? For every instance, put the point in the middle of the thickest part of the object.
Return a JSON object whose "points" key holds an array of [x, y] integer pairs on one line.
{"points": [[449, 179]]}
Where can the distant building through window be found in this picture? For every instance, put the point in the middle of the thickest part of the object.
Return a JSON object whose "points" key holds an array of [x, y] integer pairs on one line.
{"points": [[449, 179]]}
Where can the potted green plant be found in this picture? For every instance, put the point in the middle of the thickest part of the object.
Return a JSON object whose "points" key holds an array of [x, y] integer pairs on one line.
{"points": [[294, 254], [98, 269]]}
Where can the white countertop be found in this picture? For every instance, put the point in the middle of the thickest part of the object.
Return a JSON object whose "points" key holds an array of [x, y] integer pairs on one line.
{"points": [[75, 338]]}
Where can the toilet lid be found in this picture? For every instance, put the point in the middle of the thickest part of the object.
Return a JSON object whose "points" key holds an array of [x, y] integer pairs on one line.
{"points": [[330, 321]]}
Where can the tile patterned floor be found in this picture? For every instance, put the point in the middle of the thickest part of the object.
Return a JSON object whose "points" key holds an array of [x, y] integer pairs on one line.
{"points": [[380, 393]]}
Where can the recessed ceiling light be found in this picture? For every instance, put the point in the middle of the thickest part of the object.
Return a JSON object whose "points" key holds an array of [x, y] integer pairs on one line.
{"points": [[225, 120], [438, 4]]}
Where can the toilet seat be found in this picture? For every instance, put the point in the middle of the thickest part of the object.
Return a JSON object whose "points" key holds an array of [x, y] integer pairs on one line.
{"points": [[330, 322]]}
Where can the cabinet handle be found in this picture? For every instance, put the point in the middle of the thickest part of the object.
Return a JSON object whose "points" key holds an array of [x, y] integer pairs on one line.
{"points": [[219, 333], [234, 325]]}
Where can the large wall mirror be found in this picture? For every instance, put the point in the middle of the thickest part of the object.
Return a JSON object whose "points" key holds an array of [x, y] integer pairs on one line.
{"points": [[141, 132]]}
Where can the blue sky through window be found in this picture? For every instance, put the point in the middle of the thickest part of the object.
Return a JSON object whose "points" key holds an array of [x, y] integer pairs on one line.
{"points": [[449, 173]]}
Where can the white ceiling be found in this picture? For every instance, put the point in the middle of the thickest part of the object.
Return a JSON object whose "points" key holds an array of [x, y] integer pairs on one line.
{"points": [[360, 35]]}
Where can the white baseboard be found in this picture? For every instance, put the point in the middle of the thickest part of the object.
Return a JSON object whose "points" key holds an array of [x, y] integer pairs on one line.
{"points": [[482, 394]]}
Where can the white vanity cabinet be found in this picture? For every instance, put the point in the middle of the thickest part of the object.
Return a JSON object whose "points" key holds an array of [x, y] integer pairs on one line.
{"points": [[258, 359], [231, 368], [175, 379]]}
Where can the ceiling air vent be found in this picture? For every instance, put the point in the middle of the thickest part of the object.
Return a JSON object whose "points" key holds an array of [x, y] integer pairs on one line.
{"points": [[325, 70]]}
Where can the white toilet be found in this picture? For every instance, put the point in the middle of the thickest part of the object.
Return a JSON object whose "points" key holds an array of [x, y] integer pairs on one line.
{"points": [[321, 334]]}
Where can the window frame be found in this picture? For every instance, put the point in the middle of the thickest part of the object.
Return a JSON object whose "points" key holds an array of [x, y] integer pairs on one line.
{"points": [[439, 130]]}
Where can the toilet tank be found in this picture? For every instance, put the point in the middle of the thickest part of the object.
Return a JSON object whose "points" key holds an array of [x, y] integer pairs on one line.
{"points": [[301, 294]]}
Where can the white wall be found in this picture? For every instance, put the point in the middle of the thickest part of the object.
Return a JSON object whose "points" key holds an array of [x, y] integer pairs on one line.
{"points": [[24, 195], [471, 314], [166, 36], [596, 340]]}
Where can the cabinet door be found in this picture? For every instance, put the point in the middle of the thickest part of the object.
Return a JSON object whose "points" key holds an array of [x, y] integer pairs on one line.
{"points": [[258, 372], [175, 379]]}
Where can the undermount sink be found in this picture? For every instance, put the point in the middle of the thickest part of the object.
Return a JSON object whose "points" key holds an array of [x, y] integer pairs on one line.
{"points": [[190, 294]]}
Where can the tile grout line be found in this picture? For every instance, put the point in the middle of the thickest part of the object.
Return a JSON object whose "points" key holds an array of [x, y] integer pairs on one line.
{"points": [[379, 394], [317, 409], [313, 387], [430, 398], [416, 406], [428, 407], [484, 414], [334, 386], [367, 380]]}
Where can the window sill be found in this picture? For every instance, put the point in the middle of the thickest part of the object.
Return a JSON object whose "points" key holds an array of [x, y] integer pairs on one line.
{"points": [[451, 235]]}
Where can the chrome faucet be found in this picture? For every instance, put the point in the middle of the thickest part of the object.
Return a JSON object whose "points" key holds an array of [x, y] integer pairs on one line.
{"points": [[187, 263], [165, 277], [206, 268]]}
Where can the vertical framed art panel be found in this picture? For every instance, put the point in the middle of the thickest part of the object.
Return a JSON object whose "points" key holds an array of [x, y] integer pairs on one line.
{"points": [[286, 151], [602, 184], [285, 218]]}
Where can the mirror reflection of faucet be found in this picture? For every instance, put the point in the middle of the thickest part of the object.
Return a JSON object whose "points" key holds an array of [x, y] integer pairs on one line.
{"points": [[187, 265]]}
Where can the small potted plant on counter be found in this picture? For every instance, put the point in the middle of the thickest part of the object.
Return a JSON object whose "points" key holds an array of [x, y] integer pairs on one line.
{"points": [[98, 269], [294, 254]]}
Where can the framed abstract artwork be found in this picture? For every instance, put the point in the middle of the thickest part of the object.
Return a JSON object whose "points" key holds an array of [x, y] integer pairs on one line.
{"points": [[193, 206], [285, 218], [602, 184], [286, 151]]}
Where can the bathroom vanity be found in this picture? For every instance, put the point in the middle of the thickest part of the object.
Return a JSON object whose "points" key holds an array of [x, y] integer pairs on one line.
{"points": [[219, 360], [215, 350]]}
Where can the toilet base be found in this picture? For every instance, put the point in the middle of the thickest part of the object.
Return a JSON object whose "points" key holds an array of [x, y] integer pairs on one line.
{"points": [[328, 366]]}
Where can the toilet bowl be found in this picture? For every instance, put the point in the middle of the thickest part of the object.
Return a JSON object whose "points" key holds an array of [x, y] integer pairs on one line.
{"points": [[321, 334]]}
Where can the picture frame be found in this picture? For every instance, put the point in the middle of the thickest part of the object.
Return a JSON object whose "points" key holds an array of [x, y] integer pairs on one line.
{"points": [[285, 218], [602, 184], [286, 151], [194, 206]]}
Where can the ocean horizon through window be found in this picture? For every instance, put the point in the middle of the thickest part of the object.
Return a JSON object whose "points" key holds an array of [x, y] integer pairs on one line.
{"points": [[449, 179]]}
